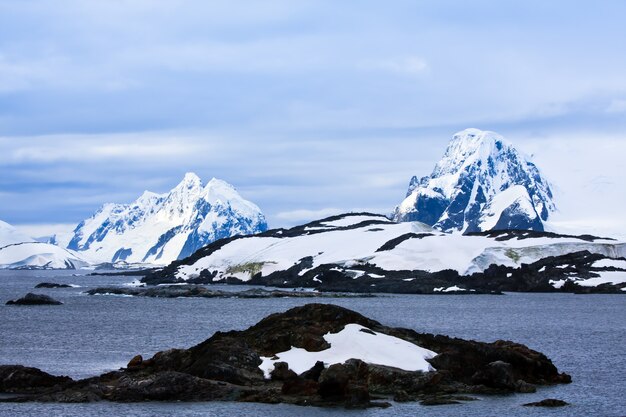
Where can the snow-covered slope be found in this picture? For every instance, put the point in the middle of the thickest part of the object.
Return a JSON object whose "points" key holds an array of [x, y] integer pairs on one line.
{"points": [[10, 235], [481, 183], [160, 228], [350, 241], [20, 251], [38, 255]]}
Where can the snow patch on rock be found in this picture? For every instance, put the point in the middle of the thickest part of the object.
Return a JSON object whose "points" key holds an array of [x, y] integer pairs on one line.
{"points": [[356, 342]]}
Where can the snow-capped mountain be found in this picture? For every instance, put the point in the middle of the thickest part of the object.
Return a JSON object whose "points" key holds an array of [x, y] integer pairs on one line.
{"points": [[160, 228], [18, 250], [481, 183]]}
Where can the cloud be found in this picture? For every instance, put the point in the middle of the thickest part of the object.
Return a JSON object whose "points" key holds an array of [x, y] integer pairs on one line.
{"points": [[306, 105], [81, 148]]}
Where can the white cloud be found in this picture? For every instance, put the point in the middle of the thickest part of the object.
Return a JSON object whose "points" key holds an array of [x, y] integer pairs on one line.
{"points": [[65, 148]]}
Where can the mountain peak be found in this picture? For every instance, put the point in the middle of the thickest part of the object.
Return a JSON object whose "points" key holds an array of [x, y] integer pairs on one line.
{"points": [[190, 180], [160, 228], [216, 183], [467, 146], [476, 166]]}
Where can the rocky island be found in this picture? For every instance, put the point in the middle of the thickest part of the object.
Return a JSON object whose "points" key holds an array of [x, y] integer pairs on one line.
{"points": [[199, 291], [317, 354], [31, 299]]}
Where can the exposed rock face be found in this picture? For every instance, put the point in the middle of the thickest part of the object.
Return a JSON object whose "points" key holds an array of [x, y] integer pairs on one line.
{"points": [[227, 367], [481, 183], [31, 299]]}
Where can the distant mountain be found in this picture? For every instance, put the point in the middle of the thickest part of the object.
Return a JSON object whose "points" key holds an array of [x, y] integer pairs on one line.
{"points": [[481, 183], [160, 228], [18, 250]]}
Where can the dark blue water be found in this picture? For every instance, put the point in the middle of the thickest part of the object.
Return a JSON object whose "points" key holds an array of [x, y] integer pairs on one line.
{"points": [[584, 335]]}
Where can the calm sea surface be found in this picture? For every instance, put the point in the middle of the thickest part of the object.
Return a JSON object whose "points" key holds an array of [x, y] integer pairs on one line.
{"points": [[585, 336]]}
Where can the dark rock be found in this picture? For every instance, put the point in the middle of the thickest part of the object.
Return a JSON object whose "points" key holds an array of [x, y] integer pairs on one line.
{"points": [[524, 387], [175, 291], [281, 372], [18, 378], [300, 386], [314, 373], [346, 381], [439, 401], [497, 374], [333, 382], [52, 285], [549, 402], [401, 396], [31, 299], [170, 386], [135, 362]]}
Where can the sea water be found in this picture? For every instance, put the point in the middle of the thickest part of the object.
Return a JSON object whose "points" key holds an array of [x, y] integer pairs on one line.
{"points": [[584, 335]]}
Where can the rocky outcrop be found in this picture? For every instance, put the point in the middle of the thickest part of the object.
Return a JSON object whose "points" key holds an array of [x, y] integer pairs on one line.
{"points": [[175, 291], [31, 299], [17, 378], [52, 285], [226, 367], [548, 402]]}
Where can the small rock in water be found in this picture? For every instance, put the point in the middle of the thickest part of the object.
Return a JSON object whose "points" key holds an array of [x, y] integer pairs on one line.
{"points": [[548, 402], [52, 285], [439, 401], [31, 299]]}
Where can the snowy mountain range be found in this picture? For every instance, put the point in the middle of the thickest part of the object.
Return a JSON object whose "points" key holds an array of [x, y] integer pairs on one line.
{"points": [[18, 250], [160, 228], [481, 183]]}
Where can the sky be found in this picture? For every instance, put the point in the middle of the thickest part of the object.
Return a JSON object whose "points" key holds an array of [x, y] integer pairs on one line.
{"points": [[308, 108]]}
